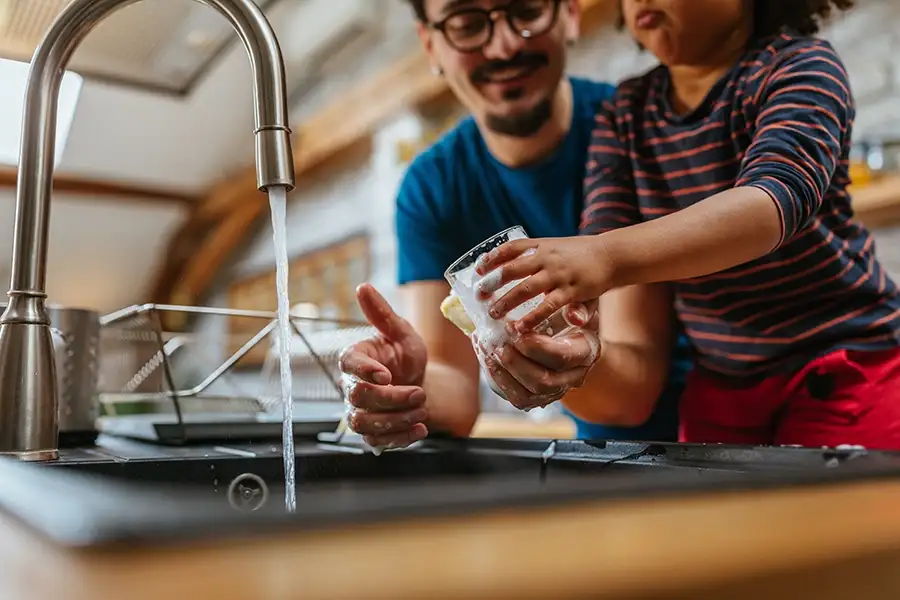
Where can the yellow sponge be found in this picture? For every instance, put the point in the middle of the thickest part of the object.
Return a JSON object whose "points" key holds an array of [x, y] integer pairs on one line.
{"points": [[454, 312]]}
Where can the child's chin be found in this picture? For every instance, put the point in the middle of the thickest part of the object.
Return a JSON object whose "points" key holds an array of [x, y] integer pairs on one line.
{"points": [[664, 52], [660, 44]]}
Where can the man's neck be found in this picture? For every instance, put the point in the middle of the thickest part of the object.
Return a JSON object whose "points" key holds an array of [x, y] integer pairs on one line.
{"points": [[517, 152]]}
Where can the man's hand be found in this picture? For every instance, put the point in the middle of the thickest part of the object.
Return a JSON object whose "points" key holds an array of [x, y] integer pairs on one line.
{"points": [[536, 370], [382, 377]]}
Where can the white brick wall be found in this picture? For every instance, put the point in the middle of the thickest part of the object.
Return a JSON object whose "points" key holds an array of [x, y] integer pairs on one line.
{"points": [[867, 40]]}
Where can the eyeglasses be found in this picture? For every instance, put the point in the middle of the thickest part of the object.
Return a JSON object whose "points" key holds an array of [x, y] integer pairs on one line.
{"points": [[471, 29]]}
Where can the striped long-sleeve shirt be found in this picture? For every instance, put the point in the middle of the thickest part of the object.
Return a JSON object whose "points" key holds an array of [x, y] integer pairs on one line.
{"points": [[781, 121]]}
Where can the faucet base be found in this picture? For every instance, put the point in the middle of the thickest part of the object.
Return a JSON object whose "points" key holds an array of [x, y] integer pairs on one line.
{"points": [[29, 419], [33, 455]]}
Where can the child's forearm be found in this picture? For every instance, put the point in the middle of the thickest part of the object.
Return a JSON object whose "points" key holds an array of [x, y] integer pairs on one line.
{"points": [[726, 230]]}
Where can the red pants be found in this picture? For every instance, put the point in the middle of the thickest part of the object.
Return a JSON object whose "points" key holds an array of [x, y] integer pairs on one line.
{"points": [[845, 397]]}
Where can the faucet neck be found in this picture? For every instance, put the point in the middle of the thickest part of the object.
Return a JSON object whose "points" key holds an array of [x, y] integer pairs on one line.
{"points": [[36, 158]]}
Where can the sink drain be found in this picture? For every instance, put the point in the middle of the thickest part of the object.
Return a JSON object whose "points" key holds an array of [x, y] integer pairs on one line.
{"points": [[247, 492]]}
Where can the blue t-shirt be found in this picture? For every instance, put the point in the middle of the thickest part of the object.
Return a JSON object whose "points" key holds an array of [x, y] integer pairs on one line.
{"points": [[456, 194]]}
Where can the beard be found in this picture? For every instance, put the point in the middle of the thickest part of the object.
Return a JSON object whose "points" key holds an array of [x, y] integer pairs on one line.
{"points": [[524, 124]]}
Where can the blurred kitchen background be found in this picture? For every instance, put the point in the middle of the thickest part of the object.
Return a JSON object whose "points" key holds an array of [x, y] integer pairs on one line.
{"points": [[155, 198]]}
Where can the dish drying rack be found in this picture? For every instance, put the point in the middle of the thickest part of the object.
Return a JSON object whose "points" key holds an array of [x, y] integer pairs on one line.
{"points": [[141, 362]]}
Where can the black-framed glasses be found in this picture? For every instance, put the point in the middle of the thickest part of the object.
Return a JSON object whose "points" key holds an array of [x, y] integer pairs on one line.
{"points": [[471, 29]]}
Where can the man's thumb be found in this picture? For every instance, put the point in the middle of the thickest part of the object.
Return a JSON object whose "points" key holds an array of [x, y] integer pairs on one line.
{"points": [[380, 314], [581, 315], [576, 315]]}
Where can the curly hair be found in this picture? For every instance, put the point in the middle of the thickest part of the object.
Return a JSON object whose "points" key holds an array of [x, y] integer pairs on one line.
{"points": [[418, 7], [771, 17]]}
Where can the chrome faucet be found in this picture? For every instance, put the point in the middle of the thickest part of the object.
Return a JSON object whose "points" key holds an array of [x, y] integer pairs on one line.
{"points": [[28, 395]]}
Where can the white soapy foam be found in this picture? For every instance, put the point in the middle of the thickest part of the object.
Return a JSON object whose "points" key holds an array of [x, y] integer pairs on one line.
{"points": [[594, 341], [348, 384], [490, 331], [490, 283], [591, 338]]}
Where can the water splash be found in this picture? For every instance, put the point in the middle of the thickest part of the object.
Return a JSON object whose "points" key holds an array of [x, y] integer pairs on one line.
{"points": [[278, 205]]}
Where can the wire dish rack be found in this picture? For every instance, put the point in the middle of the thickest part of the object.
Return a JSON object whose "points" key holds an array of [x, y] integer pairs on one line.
{"points": [[211, 370]]}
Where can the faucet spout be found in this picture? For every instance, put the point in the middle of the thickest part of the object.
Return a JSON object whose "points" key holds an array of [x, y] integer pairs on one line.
{"points": [[28, 394]]}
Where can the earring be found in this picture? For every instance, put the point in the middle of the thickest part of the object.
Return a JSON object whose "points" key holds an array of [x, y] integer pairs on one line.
{"points": [[571, 42], [437, 71]]}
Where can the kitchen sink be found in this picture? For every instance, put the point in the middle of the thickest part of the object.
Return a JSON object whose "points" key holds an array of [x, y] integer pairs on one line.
{"points": [[126, 491], [251, 477]]}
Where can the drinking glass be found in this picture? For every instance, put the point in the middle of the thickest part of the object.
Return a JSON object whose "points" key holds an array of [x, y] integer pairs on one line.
{"points": [[462, 278]]}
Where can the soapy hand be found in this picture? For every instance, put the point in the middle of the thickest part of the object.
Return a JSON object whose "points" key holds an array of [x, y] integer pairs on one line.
{"points": [[382, 377], [535, 370], [568, 270]]}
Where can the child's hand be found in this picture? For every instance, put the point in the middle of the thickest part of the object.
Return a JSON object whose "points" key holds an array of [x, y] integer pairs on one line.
{"points": [[567, 270]]}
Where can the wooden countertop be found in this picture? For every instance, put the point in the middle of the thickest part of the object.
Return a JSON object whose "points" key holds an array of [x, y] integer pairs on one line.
{"points": [[826, 542], [877, 204], [494, 425]]}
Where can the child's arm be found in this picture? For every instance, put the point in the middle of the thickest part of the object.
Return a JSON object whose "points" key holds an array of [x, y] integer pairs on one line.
{"points": [[804, 113]]}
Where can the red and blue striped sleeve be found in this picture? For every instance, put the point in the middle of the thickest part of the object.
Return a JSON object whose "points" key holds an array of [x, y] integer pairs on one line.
{"points": [[610, 199], [804, 112]]}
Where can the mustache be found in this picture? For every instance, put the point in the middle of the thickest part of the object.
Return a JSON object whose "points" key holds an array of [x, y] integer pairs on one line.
{"points": [[485, 72]]}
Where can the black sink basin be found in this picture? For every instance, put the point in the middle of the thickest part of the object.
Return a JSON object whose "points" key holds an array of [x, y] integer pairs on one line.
{"points": [[132, 492], [251, 477]]}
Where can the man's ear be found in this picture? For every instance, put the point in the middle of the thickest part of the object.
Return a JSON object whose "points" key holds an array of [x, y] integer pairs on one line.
{"points": [[424, 34], [573, 22]]}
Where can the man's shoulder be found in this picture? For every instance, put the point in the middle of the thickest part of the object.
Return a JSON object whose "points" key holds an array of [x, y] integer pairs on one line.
{"points": [[431, 205], [448, 152], [591, 90], [435, 166], [433, 175], [588, 96]]}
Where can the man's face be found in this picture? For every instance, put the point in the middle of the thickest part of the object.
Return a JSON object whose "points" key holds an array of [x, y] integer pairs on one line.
{"points": [[506, 80]]}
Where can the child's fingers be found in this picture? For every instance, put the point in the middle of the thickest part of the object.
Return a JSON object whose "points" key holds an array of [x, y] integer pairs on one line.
{"points": [[519, 268], [552, 302], [502, 254], [532, 286]]}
